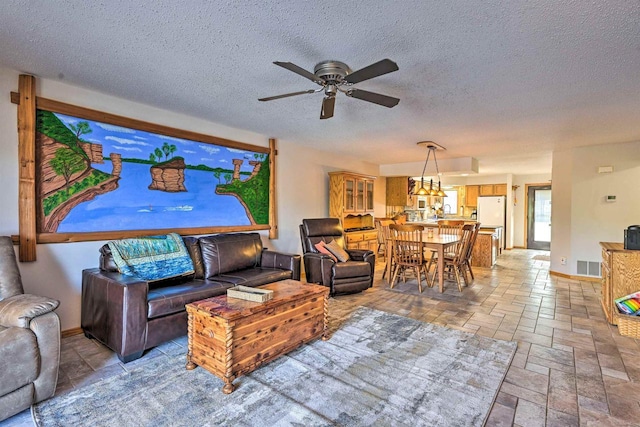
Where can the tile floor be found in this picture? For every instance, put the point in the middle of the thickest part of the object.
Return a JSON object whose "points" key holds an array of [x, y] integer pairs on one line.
{"points": [[571, 368]]}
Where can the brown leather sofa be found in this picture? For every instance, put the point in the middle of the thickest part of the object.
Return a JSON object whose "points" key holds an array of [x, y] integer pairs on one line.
{"points": [[352, 276], [130, 315], [29, 340]]}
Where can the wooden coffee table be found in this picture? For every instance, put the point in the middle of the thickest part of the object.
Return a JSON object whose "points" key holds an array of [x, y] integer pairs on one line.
{"points": [[231, 337]]}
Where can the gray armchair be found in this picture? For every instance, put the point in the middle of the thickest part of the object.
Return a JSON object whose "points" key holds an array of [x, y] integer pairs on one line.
{"points": [[29, 340]]}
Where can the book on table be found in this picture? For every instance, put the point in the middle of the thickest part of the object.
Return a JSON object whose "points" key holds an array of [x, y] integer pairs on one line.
{"points": [[249, 294]]}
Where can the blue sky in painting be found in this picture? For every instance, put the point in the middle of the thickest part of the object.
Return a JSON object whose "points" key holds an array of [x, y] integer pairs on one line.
{"points": [[132, 143]]}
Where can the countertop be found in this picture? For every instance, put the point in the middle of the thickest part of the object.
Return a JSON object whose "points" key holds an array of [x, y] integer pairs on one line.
{"points": [[434, 223]]}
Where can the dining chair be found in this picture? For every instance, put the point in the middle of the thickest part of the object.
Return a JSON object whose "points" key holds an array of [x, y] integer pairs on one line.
{"points": [[407, 252], [467, 258], [454, 262], [382, 225], [446, 227]]}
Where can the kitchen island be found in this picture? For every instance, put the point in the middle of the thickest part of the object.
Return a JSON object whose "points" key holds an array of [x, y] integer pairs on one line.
{"points": [[488, 246]]}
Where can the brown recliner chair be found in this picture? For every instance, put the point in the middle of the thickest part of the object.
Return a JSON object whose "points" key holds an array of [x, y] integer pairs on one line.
{"points": [[351, 276], [29, 340]]}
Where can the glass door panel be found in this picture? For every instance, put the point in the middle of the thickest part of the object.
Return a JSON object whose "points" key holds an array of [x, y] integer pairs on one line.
{"points": [[369, 195], [359, 195], [539, 217], [349, 185]]}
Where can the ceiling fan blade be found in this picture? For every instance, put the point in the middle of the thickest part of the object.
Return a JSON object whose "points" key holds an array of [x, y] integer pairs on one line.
{"points": [[299, 70], [286, 95], [374, 70], [376, 98], [328, 104]]}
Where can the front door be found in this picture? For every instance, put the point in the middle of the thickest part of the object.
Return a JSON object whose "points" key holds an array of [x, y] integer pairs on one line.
{"points": [[539, 217]]}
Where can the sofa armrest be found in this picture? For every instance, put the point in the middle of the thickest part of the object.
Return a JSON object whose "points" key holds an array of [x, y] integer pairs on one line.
{"points": [[19, 310], [114, 310], [273, 259], [359, 254], [318, 268]]}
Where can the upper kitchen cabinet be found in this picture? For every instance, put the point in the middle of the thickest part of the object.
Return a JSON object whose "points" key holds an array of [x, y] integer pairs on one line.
{"points": [[471, 195], [398, 191], [350, 193], [493, 190]]}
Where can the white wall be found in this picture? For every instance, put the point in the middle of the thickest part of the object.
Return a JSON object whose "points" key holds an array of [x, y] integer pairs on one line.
{"points": [[302, 187], [580, 215]]}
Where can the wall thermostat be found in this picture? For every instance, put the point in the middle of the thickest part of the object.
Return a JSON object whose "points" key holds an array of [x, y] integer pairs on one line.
{"points": [[610, 198]]}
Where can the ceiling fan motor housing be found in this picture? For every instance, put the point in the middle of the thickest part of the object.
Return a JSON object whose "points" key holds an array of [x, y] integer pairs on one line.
{"points": [[332, 71]]}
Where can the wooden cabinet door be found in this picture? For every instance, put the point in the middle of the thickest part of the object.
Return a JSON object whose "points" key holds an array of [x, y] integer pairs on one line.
{"points": [[499, 189], [471, 195], [486, 190], [359, 195], [368, 196], [349, 194]]}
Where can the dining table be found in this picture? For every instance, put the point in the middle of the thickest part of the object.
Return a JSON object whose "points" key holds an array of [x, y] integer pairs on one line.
{"points": [[437, 242]]}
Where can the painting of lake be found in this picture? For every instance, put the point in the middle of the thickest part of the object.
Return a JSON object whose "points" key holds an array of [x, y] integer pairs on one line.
{"points": [[133, 206], [96, 177]]}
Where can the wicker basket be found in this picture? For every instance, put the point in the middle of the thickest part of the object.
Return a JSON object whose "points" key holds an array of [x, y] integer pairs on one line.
{"points": [[629, 326]]}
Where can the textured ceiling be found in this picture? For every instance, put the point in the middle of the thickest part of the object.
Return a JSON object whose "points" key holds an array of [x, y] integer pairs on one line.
{"points": [[506, 81]]}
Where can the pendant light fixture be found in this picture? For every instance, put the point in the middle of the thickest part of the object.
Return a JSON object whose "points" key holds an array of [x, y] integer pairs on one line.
{"points": [[422, 191]]}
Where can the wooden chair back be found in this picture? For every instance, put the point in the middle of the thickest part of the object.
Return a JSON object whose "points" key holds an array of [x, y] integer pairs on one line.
{"points": [[383, 230], [472, 242], [450, 226], [407, 244], [466, 235]]}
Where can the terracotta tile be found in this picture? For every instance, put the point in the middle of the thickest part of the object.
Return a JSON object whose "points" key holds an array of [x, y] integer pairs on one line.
{"points": [[561, 419], [529, 414], [500, 416]]}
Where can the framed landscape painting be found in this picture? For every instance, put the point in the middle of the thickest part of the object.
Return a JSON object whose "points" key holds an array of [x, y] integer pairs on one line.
{"points": [[93, 176]]}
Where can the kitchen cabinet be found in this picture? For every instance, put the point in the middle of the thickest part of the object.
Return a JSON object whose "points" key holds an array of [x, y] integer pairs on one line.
{"points": [[493, 190], [398, 191], [500, 232], [620, 276], [471, 195], [485, 250], [499, 189]]}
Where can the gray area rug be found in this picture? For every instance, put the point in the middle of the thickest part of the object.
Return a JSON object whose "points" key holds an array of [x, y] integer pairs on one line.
{"points": [[377, 369]]}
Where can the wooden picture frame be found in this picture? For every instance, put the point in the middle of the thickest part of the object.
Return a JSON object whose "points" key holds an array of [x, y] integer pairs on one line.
{"points": [[64, 170]]}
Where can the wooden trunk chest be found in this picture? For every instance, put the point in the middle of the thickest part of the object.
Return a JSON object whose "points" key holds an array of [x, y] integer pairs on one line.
{"points": [[230, 337]]}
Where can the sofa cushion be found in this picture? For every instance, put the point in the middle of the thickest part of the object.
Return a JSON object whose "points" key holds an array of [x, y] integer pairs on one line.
{"points": [[18, 345], [224, 253], [321, 247], [172, 299], [337, 251], [193, 247], [254, 276]]}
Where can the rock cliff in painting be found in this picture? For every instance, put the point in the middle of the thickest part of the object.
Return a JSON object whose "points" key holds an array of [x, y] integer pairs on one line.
{"points": [[168, 176]]}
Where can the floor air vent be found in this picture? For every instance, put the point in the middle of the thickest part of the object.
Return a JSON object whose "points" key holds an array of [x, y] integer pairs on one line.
{"points": [[589, 268]]}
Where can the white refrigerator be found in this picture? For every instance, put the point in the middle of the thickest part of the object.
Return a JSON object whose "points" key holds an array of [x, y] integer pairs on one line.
{"points": [[492, 211]]}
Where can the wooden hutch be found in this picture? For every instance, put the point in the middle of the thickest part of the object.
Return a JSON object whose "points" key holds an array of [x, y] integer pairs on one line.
{"points": [[351, 200]]}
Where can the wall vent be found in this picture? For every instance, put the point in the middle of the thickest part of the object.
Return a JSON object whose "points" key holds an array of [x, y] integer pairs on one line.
{"points": [[588, 268]]}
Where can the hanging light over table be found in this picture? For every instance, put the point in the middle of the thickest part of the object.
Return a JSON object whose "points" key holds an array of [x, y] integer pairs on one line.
{"points": [[422, 191]]}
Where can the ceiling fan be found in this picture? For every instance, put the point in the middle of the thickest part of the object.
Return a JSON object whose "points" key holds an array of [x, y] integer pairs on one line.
{"points": [[336, 76]]}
